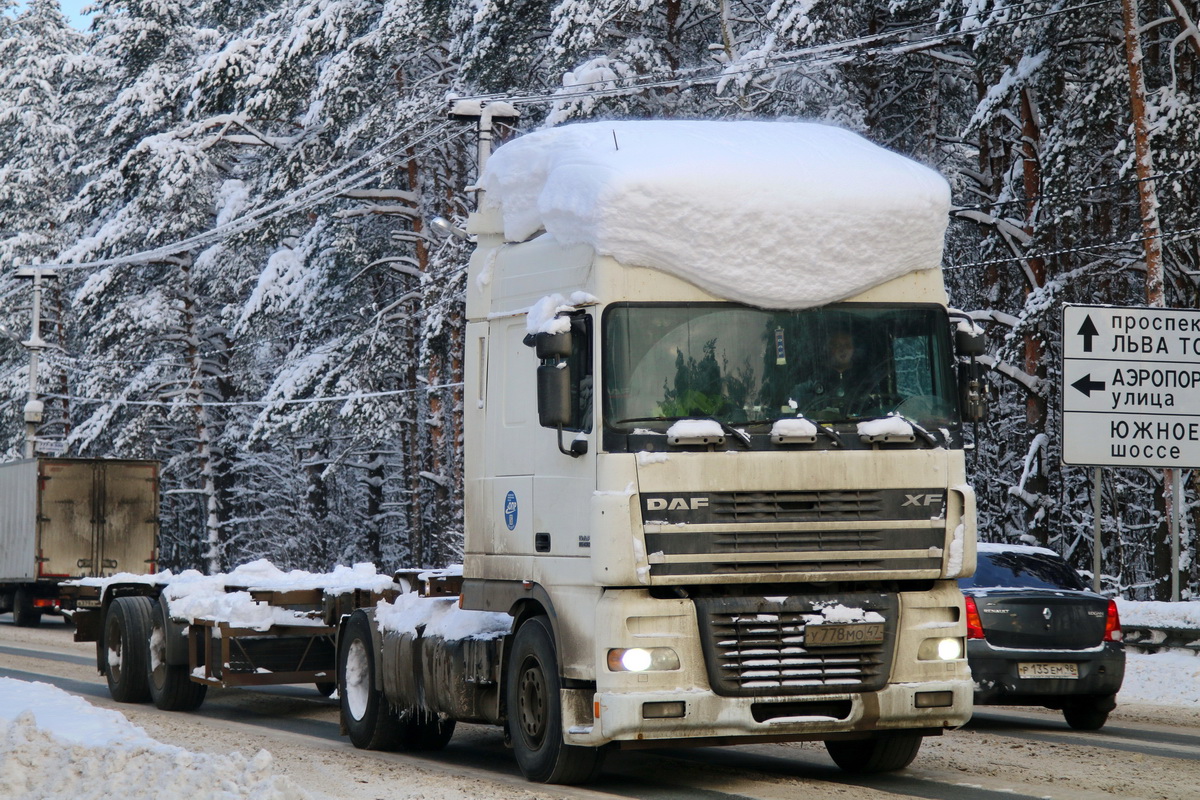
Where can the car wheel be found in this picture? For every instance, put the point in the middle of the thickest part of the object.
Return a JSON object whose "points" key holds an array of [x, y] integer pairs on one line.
{"points": [[883, 753], [1088, 714], [535, 712]]}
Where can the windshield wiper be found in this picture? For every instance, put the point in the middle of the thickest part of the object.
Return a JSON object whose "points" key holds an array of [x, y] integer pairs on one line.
{"points": [[741, 436], [651, 419], [833, 435]]}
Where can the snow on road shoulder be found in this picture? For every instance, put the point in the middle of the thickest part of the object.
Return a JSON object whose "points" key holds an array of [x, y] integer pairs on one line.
{"points": [[1163, 679], [53, 744]]}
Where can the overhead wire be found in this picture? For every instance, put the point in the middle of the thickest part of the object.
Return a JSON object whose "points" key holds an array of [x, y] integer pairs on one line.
{"points": [[1187, 233], [1078, 192], [299, 199], [831, 52]]}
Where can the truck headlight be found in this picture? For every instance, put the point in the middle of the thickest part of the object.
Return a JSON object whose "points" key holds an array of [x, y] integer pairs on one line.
{"points": [[947, 649], [642, 659]]}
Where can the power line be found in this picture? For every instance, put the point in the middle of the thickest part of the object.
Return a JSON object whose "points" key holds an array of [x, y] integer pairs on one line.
{"points": [[295, 200], [830, 52], [1164, 236], [1077, 192], [184, 401]]}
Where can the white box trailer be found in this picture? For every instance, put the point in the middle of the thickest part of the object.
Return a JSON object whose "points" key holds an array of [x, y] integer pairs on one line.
{"points": [[64, 518]]}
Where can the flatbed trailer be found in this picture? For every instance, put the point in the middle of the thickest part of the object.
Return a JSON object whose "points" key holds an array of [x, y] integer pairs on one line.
{"points": [[148, 653]]}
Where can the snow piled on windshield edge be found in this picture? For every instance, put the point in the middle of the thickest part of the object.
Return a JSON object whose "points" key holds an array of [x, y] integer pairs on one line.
{"points": [[57, 745], [774, 214]]}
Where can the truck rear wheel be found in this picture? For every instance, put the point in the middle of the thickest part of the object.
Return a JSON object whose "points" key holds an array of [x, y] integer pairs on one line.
{"points": [[171, 687], [535, 712], [25, 614], [366, 716], [426, 731], [125, 648], [883, 753]]}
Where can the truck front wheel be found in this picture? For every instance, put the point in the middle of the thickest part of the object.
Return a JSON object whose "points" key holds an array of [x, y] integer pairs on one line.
{"points": [[535, 712], [883, 753], [366, 716], [171, 686], [125, 648]]}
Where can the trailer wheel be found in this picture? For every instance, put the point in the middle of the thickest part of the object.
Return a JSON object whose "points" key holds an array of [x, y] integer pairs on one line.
{"points": [[366, 716], [25, 615], [126, 645], [535, 712], [884, 753], [426, 731], [171, 686]]}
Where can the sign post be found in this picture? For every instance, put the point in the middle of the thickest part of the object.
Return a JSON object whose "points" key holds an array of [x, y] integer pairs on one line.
{"points": [[1131, 392]]}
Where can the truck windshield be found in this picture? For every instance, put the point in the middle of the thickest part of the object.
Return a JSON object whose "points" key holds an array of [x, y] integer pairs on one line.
{"points": [[737, 364]]}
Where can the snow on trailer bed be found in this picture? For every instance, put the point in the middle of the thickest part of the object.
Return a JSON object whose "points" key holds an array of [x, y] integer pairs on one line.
{"points": [[258, 625]]}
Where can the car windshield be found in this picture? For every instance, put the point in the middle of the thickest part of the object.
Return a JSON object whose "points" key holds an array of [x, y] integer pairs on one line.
{"points": [[739, 364], [1022, 570]]}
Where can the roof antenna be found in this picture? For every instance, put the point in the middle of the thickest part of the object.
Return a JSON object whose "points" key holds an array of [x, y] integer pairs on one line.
{"points": [[615, 145]]}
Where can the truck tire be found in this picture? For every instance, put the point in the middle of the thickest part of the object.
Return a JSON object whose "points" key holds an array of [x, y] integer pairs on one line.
{"points": [[883, 753], [25, 615], [426, 731], [126, 648], [171, 687], [535, 712], [366, 716]]}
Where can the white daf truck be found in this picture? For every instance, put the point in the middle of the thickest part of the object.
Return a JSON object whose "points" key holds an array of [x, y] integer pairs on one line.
{"points": [[715, 488]]}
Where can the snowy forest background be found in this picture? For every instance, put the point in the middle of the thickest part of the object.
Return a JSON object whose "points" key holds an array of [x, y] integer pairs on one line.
{"points": [[296, 365]]}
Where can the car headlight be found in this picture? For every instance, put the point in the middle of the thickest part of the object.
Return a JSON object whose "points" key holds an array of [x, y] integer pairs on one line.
{"points": [[642, 659]]}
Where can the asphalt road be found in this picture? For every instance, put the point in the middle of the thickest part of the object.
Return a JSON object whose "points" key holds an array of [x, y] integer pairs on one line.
{"points": [[1003, 754]]}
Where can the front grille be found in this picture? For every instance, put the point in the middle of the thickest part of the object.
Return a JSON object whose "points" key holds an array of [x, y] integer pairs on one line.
{"points": [[795, 506], [756, 647]]}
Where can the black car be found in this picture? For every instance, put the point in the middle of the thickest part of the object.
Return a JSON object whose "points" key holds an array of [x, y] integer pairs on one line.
{"points": [[1037, 636]]}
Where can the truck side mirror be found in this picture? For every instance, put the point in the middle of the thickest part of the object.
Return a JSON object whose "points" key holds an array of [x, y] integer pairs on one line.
{"points": [[554, 395], [554, 403], [554, 345], [969, 343]]}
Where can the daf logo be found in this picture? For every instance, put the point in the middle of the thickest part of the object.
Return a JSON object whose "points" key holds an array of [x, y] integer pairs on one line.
{"points": [[676, 503], [923, 499]]}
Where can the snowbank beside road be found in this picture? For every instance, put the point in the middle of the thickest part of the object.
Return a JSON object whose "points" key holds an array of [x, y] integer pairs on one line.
{"points": [[57, 745]]}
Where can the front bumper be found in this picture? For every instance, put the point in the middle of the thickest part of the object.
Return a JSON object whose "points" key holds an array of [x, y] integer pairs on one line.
{"points": [[705, 715], [995, 672]]}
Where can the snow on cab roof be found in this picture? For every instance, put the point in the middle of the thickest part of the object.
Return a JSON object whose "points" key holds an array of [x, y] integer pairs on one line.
{"points": [[774, 214]]}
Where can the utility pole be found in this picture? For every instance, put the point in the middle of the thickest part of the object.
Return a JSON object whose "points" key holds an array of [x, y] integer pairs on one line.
{"points": [[33, 406]]}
